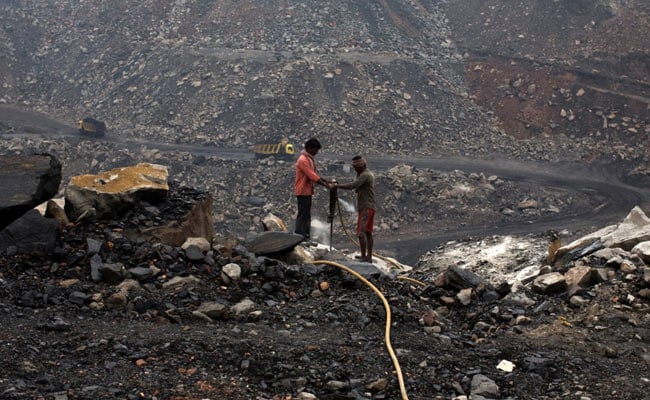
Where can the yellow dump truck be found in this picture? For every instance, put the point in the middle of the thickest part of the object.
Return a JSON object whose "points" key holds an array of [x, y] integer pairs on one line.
{"points": [[91, 127], [283, 149]]}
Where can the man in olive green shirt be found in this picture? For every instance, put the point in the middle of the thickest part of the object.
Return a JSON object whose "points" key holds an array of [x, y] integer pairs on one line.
{"points": [[364, 185]]}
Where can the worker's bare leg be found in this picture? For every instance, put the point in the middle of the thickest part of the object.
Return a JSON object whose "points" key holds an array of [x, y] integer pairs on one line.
{"points": [[362, 245], [369, 244]]}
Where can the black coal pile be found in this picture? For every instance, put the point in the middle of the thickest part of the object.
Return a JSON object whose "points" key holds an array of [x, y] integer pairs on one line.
{"points": [[110, 315]]}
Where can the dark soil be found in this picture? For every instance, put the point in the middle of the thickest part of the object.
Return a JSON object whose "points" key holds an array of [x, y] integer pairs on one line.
{"points": [[63, 337]]}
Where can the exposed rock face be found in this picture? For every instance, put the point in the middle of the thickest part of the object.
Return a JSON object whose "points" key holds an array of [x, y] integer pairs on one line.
{"points": [[197, 223], [518, 262], [26, 182], [112, 192]]}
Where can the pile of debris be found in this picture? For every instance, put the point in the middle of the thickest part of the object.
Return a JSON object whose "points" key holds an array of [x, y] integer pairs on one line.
{"points": [[461, 300]]}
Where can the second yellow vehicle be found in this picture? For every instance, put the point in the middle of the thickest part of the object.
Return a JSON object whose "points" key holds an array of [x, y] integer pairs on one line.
{"points": [[283, 150], [91, 127]]}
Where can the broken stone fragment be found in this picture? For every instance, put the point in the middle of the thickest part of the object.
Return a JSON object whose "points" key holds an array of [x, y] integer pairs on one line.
{"points": [[31, 233], [579, 276], [643, 251], [230, 272], [551, 283], [634, 229], [214, 310]]}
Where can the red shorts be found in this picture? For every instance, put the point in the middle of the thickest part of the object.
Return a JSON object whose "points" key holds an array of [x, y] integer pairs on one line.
{"points": [[365, 221]]}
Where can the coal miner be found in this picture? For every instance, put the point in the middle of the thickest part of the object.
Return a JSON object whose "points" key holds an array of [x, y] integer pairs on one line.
{"points": [[364, 185]]}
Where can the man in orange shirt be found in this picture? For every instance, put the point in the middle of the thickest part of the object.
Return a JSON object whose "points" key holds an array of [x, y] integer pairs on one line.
{"points": [[306, 177]]}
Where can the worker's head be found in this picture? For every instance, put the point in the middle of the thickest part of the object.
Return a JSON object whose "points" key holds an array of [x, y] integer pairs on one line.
{"points": [[358, 163], [312, 146]]}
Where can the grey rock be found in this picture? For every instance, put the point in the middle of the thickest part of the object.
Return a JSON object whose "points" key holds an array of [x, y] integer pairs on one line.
{"points": [[230, 272], [243, 306], [31, 233], [553, 282], [194, 253], [214, 310], [153, 211], [459, 278], [141, 273], [272, 242], [31, 298], [112, 273], [643, 251], [95, 265], [94, 246], [483, 386], [26, 181], [79, 298], [179, 281], [364, 269]]}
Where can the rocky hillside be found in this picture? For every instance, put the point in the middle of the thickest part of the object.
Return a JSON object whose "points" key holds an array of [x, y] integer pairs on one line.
{"points": [[404, 78], [573, 70], [386, 77]]}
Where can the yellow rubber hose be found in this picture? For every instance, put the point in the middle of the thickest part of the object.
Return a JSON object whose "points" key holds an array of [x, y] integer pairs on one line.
{"points": [[398, 370], [406, 278]]}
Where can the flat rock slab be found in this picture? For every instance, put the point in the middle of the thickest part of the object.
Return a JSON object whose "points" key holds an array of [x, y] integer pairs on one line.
{"points": [[367, 270], [26, 181], [272, 242]]}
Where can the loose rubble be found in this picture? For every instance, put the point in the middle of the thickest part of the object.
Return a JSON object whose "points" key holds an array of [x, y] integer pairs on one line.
{"points": [[166, 301], [199, 318]]}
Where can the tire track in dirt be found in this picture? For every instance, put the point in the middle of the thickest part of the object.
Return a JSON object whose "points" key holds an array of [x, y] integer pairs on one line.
{"points": [[401, 24]]}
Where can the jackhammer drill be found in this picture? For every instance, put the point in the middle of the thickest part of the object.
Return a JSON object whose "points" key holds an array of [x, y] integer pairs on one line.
{"points": [[334, 198]]}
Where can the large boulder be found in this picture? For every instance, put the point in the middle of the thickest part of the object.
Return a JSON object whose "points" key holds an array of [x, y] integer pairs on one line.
{"points": [[29, 234], [26, 181], [634, 229], [109, 194]]}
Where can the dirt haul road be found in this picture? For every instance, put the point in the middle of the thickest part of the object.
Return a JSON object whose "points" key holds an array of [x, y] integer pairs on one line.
{"points": [[616, 198]]}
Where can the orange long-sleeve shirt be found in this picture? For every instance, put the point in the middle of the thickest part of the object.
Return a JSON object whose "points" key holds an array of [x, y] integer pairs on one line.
{"points": [[306, 175]]}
